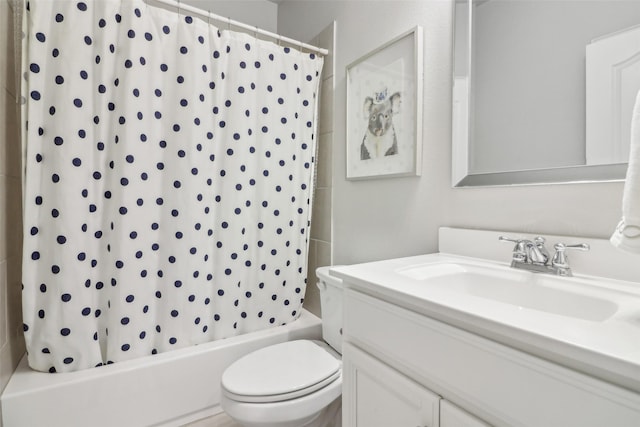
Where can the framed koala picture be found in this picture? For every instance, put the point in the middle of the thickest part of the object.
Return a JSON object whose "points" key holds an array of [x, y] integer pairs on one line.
{"points": [[384, 110]]}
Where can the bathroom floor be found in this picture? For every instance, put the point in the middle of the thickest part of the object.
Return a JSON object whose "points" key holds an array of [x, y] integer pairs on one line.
{"points": [[220, 420]]}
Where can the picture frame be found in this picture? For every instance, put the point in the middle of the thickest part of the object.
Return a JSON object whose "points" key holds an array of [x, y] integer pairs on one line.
{"points": [[384, 110]]}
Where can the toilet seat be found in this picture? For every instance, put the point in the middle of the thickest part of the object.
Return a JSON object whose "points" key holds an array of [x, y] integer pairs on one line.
{"points": [[281, 372], [286, 413], [284, 396]]}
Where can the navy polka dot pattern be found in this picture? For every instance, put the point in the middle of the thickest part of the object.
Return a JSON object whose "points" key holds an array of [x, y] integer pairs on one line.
{"points": [[168, 182]]}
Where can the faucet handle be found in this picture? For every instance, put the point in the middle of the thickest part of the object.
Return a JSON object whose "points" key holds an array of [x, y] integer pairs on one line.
{"points": [[579, 246], [519, 247], [519, 253], [560, 258], [509, 239]]}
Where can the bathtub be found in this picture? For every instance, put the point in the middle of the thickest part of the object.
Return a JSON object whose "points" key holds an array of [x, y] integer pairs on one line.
{"points": [[169, 389]]}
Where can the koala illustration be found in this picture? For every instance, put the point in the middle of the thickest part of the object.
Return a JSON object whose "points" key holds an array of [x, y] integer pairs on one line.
{"points": [[380, 137]]}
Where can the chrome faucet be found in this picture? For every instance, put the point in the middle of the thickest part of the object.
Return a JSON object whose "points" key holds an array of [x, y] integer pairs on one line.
{"points": [[534, 256]]}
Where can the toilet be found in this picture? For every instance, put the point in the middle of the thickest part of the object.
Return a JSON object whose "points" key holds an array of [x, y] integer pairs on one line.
{"points": [[294, 383]]}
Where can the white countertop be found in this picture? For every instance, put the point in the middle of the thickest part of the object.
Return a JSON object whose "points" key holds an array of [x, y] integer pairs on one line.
{"points": [[607, 348]]}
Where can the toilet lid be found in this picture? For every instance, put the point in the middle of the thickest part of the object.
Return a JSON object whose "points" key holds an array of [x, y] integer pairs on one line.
{"points": [[286, 370]]}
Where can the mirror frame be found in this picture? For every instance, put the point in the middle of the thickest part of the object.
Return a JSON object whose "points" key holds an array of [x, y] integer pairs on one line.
{"points": [[462, 177]]}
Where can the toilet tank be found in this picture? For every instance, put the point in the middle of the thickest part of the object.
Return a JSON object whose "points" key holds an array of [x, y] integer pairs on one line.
{"points": [[331, 304]]}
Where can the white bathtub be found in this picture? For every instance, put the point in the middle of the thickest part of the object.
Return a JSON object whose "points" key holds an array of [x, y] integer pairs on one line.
{"points": [[169, 389]]}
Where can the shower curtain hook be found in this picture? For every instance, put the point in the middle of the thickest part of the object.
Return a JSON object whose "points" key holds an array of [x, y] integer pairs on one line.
{"points": [[209, 17], [178, 8], [255, 33], [229, 23]]}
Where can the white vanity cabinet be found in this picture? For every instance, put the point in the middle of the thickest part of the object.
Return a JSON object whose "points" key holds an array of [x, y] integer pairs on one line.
{"points": [[375, 395], [379, 396], [403, 368]]}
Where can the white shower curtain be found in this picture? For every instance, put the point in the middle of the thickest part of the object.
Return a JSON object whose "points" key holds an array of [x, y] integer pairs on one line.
{"points": [[168, 180]]}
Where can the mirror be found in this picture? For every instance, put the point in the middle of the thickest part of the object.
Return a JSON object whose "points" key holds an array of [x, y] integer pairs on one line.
{"points": [[543, 90]]}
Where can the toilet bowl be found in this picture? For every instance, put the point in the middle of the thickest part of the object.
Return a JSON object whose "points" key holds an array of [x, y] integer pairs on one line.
{"points": [[295, 383], [283, 385]]}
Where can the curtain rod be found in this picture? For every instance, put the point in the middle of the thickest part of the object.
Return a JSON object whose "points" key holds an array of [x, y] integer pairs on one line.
{"points": [[211, 16]]}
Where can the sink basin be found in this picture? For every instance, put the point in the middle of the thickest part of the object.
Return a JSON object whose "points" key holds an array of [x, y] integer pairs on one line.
{"points": [[521, 289]]}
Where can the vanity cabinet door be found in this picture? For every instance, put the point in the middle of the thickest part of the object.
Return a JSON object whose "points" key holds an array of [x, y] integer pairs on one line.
{"points": [[375, 395], [452, 416]]}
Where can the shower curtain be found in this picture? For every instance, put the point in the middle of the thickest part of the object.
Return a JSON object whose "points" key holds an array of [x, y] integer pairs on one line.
{"points": [[168, 179]]}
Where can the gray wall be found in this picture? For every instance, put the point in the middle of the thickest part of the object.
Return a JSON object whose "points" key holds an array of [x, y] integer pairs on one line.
{"points": [[260, 13], [386, 218], [382, 218]]}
